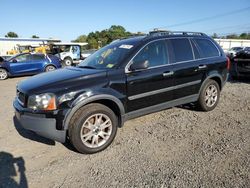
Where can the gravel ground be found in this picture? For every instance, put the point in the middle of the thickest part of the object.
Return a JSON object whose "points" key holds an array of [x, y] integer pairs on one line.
{"points": [[178, 147]]}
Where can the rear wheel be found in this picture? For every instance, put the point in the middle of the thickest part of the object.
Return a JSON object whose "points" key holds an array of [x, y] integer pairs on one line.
{"points": [[93, 128], [50, 68], [209, 96], [3, 74]]}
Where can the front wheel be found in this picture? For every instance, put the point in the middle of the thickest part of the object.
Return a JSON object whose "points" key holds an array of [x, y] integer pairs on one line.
{"points": [[50, 68], [3, 74], [93, 128], [209, 95]]}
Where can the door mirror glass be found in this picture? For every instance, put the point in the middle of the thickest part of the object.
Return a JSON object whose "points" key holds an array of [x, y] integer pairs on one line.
{"points": [[140, 65]]}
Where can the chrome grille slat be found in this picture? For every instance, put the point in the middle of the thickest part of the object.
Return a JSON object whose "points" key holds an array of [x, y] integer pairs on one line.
{"points": [[21, 97]]}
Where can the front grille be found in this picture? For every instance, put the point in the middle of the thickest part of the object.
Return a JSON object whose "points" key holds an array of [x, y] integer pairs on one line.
{"points": [[21, 98]]}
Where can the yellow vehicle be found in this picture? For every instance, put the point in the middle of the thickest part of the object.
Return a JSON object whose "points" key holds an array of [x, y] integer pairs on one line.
{"points": [[42, 49], [20, 49], [29, 48], [12, 52], [25, 48]]}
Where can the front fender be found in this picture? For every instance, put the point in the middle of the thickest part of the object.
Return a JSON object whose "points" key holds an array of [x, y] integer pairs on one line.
{"points": [[77, 105]]}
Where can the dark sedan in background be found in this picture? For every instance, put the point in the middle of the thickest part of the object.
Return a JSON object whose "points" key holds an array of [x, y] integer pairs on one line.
{"points": [[28, 64], [241, 64]]}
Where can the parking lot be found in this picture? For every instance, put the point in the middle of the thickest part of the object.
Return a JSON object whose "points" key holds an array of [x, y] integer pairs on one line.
{"points": [[178, 147]]}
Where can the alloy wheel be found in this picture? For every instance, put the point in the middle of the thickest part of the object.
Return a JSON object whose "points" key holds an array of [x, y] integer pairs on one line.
{"points": [[50, 68], [96, 130], [3, 74], [211, 95]]}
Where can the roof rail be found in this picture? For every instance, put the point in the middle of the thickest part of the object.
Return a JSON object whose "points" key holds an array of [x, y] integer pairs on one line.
{"points": [[166, 32]]}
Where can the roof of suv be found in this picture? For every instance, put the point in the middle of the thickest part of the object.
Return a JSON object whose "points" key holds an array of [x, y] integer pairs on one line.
{"points": [[158, 35]]}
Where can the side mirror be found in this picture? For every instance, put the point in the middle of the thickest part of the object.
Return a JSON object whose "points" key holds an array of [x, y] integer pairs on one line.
{"points": [[139, 65], [14, 61]]}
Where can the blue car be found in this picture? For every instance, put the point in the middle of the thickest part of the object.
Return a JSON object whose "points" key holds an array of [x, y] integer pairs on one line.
{"points": [[28, 64]]}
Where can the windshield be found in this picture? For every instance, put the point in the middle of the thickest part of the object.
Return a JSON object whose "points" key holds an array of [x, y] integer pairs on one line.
{"points": [[107, 57]]}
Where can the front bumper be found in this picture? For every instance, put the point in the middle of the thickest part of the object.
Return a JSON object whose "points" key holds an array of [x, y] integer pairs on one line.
{"points": [[39, 124]]}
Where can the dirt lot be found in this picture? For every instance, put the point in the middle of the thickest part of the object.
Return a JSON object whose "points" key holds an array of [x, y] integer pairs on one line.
{"points": [[179, 147]]}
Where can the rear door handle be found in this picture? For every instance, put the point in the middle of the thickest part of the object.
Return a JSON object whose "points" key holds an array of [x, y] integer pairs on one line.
{"points": [[202, 66], [170, 73]]}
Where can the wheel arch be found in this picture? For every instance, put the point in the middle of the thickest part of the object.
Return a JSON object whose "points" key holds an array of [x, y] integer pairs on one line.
{"points": [[50, 64], [8, 72], [67, 57], [5, 69], [214, 76], [108, 100]]}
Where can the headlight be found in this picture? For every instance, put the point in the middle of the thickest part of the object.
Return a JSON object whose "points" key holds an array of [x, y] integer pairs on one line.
{"points": [[45, 101]]}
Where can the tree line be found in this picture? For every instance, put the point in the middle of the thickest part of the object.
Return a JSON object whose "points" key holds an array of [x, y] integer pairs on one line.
{"points": [[12, 34], [98, 39], [233, 36]]}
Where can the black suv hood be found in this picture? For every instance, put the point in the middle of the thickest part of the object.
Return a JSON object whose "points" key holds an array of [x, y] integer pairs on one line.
{"points": [[61, 80]]}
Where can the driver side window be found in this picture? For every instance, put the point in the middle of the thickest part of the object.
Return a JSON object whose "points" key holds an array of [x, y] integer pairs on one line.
{"points": [[155, 53], [22, 58]]}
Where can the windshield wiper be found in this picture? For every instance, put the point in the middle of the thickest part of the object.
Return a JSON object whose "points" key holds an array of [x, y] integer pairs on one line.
{"points": [[87, 67]]}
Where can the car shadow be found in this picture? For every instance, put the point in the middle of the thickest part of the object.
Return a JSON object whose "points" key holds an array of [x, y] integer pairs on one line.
{"points": [[239, 80], [8, 171], [69, 146], [190, 106], [31, 135]]}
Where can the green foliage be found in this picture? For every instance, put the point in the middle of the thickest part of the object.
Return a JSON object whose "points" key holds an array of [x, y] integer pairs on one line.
{"points": [[245, 36], [241, 36], [233, 36], [215, 36], [81, 38], [35, 37], [98, 39], [11, 35]]}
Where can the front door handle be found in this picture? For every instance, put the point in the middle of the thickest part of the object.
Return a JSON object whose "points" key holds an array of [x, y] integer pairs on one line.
{"points": [[170, 73]]}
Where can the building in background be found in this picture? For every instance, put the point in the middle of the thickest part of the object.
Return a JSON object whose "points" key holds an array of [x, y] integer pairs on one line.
{"points": [[8, 44], [226, 44]]}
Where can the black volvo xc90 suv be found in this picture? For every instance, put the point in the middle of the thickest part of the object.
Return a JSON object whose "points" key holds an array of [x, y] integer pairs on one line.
{"points": [[123, 80]]}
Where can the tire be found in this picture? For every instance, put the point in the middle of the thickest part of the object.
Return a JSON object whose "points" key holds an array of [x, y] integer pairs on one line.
{"points": [[209, 95], [50, 68], [67, 61], [3, 74], [89, 138]]}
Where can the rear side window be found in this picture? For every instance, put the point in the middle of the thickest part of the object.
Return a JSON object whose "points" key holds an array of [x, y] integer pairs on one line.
{"points": [[37, 57], [206, 48], [155, 53], [195, 49], [182, 50]]}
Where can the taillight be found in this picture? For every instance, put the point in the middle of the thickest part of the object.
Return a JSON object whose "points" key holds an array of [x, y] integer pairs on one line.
{"points": [[228, 63]]}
